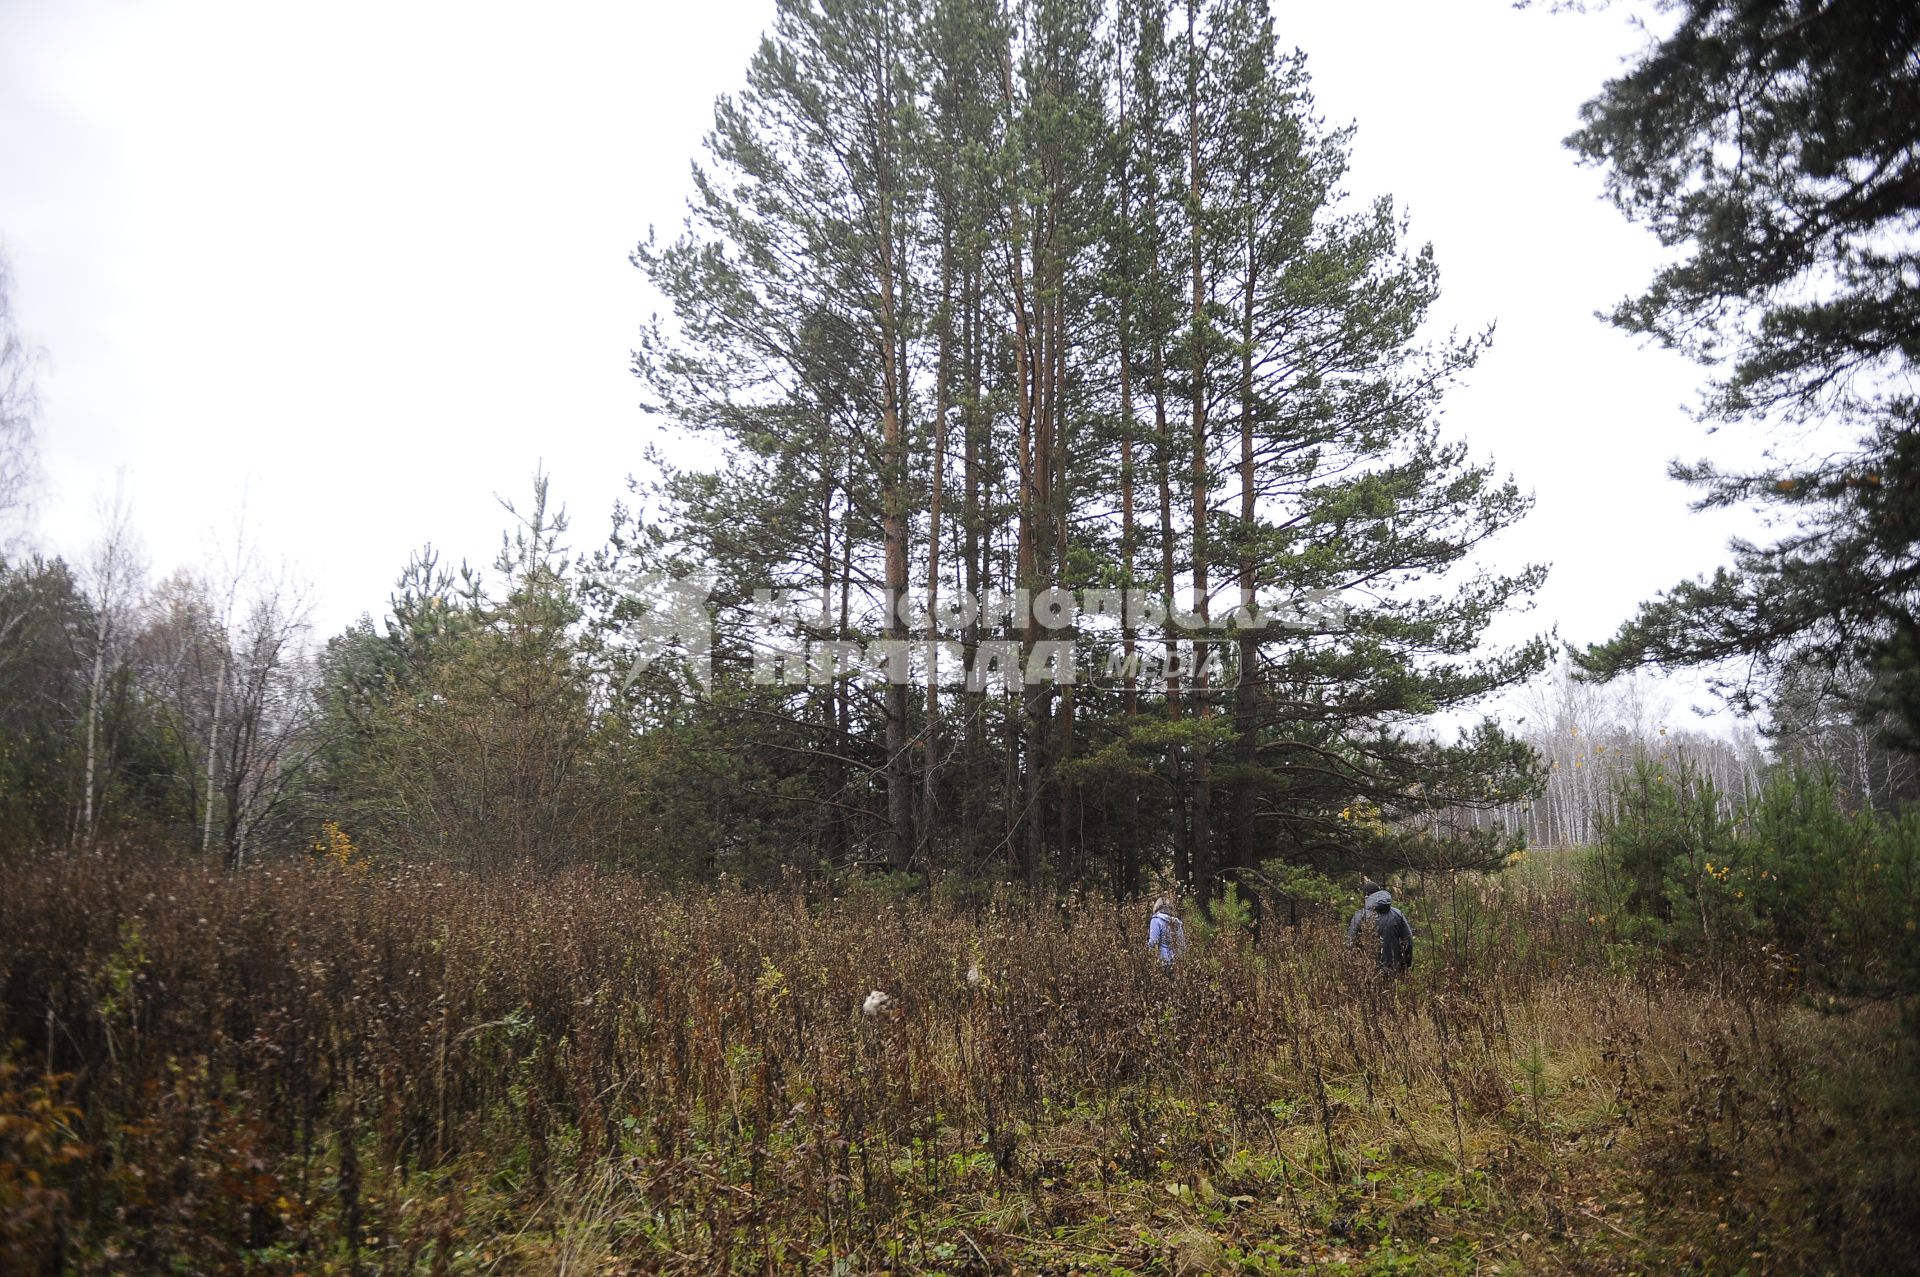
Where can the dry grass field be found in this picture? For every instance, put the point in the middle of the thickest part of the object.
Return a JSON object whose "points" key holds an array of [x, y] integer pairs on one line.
{"points": [[305, 1069]]}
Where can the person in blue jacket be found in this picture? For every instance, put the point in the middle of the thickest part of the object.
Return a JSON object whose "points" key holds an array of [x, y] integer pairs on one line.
{"points": [[1165, 934]]}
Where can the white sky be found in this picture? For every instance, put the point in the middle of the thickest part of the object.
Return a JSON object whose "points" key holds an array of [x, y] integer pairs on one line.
{"points": [[366, 265]]}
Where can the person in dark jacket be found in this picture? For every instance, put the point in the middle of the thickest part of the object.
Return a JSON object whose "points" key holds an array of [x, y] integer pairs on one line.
{"points": [[1364, 914], [1396, 935]]}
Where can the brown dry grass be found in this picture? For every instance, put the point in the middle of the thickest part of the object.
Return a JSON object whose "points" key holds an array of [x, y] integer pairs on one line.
{"points": [[303, 1070]]}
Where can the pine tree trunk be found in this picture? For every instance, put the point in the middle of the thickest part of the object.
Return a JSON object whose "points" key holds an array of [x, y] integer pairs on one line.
{"points": [[893, 523], [1027, 376], [1059, 492], [931, 742], [1246, 691], [1163, 467], [1202, 767], [843, 706], [832, 728], [975, 566], [1131, 697], [1126, 868]]}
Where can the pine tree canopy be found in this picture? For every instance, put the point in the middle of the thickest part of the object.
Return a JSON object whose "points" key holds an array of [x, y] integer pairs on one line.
{"points": [[1063, 295], [1776, 148]]}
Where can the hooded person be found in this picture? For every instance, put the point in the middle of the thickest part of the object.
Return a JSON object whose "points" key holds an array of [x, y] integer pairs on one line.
{"points": [[1395, 932], [1364, 914], [1165, 934]]}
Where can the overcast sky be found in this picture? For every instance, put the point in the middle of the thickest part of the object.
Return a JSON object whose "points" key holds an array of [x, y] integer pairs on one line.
{"points": [[364, 265]]}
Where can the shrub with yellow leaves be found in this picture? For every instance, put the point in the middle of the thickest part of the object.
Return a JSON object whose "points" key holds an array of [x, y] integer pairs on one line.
{"points": [[335, 847]]}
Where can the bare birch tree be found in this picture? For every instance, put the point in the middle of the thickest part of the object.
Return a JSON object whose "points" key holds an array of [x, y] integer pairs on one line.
{"points": [[19, 406], [114, 583]]}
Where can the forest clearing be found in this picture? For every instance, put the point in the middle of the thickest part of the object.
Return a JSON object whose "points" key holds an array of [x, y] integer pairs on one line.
{"points": [[312, 1068], [1066, 747]]}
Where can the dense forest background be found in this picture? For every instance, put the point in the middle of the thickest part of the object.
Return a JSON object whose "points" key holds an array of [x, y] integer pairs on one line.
{"points": [[972, 305]]}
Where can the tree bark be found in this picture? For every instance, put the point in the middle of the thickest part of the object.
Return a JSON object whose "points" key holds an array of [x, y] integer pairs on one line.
{"points": [[1203, 870]]}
